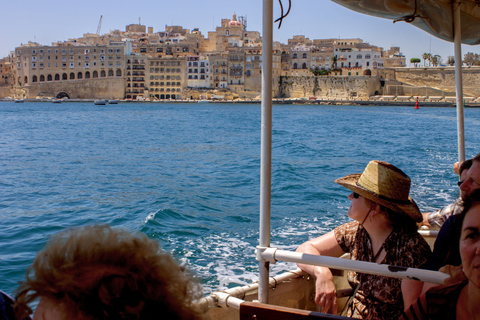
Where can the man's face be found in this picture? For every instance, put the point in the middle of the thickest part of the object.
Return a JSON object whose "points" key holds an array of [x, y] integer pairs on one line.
{"points": [[472, 182]]}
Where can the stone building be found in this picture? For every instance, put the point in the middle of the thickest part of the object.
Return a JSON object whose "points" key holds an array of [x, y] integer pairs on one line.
{"points": [[39, 65], [198, 72], [166, 77]]}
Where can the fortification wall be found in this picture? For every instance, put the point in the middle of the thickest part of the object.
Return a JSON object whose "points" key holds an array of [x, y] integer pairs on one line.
{"points": [[440, 78], [327, 87], [78, 89]]}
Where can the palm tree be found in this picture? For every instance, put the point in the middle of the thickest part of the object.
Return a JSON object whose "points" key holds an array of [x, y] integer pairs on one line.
{"points": [[425, 57]]}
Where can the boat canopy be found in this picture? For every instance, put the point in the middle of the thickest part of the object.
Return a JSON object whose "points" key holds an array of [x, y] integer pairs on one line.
{"points": [[433, 16]]}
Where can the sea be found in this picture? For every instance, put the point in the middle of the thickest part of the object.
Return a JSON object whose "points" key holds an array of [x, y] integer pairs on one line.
{"points": [[188, 175]]}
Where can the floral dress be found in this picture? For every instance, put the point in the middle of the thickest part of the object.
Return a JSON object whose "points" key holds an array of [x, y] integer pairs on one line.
{"points": [[380, 297]]}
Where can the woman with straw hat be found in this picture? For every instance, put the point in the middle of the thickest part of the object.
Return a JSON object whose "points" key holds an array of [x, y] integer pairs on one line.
{"points": [[384, 231]]}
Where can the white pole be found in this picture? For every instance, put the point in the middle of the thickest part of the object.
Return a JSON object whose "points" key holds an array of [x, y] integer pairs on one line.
{"points": [[457, 38], [266, 147], [274, 254]]}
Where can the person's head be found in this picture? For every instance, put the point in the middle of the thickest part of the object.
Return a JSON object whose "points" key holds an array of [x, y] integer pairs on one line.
{"points": [[472, 180], [386, 188], [469, 243], [99, 272], [464, 174]]}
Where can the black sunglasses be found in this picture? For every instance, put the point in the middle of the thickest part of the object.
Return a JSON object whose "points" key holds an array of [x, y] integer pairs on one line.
{"points": [[356, 195], [460, 183]]}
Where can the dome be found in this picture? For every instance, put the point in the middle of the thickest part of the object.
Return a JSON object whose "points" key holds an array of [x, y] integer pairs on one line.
{"points": [[234, 21]]}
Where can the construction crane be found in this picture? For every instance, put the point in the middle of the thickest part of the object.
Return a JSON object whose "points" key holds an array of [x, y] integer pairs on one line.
{"points": [[99, 25]]}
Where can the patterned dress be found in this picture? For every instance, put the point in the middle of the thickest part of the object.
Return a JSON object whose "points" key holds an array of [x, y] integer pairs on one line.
{"points": [[380, 297]]}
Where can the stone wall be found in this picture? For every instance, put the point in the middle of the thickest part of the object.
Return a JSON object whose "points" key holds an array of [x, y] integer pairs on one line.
{"points": [[439, 79], [327, 87], [78, 89]]}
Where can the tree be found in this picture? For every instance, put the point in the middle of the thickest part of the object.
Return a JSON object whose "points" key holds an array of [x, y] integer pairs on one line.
{"points": [[436, 60], [334, 62], [471, 59], [425, 57], [451, 60], [415, 61]]}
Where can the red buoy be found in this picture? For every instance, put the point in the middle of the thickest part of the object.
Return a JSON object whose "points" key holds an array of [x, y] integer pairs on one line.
{"points": [[416, 104]]}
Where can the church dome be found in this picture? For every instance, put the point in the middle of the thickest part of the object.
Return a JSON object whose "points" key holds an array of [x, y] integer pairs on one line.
{"points": [[234, 21]]}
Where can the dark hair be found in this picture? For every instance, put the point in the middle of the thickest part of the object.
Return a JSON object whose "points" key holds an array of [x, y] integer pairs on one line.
{"points": [[456, 229], [98, 272], [465, 165], [399, 220]]}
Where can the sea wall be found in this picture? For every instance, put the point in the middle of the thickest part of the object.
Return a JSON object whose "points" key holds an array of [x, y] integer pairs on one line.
{"points": [[78, 89], [327, 87], [441, 79]]}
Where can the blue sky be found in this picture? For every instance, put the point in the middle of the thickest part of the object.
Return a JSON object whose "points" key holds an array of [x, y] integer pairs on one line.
{"points": [[53, 20]]}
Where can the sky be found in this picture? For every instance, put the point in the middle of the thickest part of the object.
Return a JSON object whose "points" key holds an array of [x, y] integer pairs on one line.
{"points": [[54, 20]]}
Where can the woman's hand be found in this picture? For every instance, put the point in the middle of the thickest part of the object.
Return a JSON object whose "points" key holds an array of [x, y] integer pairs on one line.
{"points": [[325, 292], [456, 274]]}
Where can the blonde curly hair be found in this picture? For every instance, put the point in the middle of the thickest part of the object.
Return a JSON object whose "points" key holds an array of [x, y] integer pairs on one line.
{"points": [[99, 272]]}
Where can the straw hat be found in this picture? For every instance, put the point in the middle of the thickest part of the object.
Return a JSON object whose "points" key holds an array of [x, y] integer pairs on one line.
{"points": [[386, 185]]}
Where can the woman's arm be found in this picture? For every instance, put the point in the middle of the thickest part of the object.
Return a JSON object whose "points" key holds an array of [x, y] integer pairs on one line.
{"points": [[325, 293]]}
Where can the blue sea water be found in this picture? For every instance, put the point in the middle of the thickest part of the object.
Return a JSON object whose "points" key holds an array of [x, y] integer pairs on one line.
{"points": [[187, 175]]}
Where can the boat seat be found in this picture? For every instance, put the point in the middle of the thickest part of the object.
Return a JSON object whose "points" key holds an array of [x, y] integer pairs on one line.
{"points": [[261, 311]]}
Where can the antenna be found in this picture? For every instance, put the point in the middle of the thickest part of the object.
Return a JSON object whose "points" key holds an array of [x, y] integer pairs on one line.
{"points": [[139, 19], [99, 25]]}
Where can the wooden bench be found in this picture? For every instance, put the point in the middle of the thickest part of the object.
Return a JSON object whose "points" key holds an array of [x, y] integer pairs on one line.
{"points": [[260, 311]]}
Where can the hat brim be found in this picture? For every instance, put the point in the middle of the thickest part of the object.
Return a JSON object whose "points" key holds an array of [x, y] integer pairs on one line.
{"points": [[410, 209]]}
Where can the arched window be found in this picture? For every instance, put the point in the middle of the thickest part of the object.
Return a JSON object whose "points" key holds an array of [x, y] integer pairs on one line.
{"points": [[102, 74], [42, 78], [79, 75], [119, 73], [95, 74], [64, 76], [57, 77], [49, 77], [367, 56], [294, 56], [110, 73], [304, 66], [72, 76], [359, 56], [34, 79], [87, 75], [304, 56], [295, 66]]}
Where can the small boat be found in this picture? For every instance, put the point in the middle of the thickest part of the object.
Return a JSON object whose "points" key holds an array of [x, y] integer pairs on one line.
{"points": [[204, 101], [100, 102], [19, 101], [57, 101], [112, 101]]}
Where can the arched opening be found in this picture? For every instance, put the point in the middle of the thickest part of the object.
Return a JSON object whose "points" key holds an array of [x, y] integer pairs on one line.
{"points": [[304, 65], [79, 75], [95, 74], [367, 72], [57, 77], [72, 76], [173, 97], [119, 73], [87, 75], [110, 73], [162, 96], [26, 80], [167, 96], [34, 79], [42, 78], [62, 95], [102, 74], [49, 77], [295, 66], [64, 76]]}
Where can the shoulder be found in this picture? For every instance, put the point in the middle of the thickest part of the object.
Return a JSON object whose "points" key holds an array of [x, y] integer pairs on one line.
{"points": [[347, 228]]}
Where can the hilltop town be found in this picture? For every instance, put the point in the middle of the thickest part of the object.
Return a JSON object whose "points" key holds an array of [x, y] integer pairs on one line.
{"points": [[179, 64]]}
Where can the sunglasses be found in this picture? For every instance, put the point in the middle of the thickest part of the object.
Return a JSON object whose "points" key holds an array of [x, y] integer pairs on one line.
{"points": [[355, 195], [460, 183]]}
